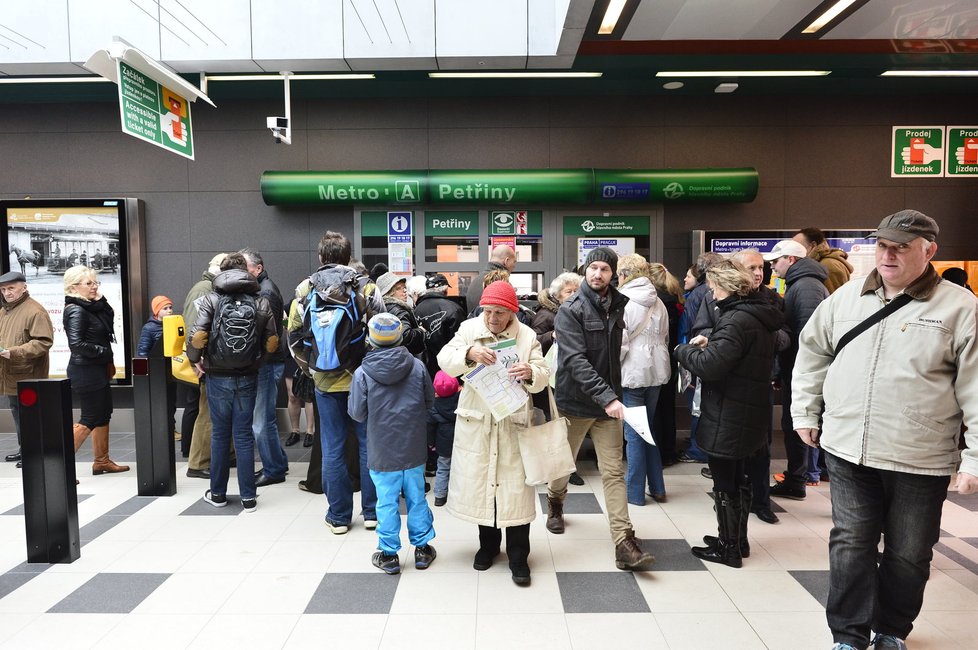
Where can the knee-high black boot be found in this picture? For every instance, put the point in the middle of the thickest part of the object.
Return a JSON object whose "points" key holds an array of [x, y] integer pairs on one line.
{"points": [[745, 501], [727, 549]]}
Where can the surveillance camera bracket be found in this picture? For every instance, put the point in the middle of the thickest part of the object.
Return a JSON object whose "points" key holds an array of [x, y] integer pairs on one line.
{"points": [[285, 135]]}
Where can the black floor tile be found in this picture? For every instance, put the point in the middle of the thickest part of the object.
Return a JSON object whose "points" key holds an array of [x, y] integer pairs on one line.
{"points": [[672, 555], [110, 593], [11, 581], [955, 556], [19, 510], [968, 501], [93, 529], [815, 582], [201, 508], [131, 506], [600, 593], [354, 593], [576, 503]]}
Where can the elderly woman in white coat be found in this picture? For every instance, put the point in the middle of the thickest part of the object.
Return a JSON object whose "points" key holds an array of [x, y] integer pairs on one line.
{"points": [[645, 367], [487, 485]]}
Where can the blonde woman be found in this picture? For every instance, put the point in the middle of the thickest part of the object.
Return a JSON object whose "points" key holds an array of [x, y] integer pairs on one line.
{"points": [[734, 365], [88, 322]]}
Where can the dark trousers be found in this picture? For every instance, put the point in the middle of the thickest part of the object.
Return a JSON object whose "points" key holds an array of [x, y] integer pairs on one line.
{"points": [[796, 474], [759, 465], [906, 509], [728, 473], [314, 475], [664, 421], [189, 398], [517, 542], [14, 402]]}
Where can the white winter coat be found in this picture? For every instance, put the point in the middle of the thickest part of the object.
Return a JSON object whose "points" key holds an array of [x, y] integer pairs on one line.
{"points": [[645, 362], [487, 484]]}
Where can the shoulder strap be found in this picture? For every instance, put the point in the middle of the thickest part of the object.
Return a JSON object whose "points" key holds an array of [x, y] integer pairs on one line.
{"points": [[876, 317], [645, 323]]}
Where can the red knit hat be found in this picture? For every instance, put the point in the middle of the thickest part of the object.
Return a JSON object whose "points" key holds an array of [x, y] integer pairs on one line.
{"points": [[500, 293], [159, 302]]}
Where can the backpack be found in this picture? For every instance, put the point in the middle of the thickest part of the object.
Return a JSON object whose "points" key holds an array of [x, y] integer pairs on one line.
{"points": [[233, 343], [333, 335]]}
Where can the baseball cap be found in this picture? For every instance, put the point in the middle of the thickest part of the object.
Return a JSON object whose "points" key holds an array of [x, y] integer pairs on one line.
{"points": [[435, 281], [906, 225], [786, 247]]}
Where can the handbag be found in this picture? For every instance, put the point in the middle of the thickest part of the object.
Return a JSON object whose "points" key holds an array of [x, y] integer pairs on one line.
{"points": [[303, 386], [544, 449]]}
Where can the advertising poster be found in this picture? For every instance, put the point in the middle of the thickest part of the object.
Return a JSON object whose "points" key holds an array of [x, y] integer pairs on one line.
{"points": [[43, 242]]}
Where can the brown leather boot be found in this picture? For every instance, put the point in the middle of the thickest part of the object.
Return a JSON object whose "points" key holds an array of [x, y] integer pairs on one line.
{"points": [[555, 515], [80, 432], [629, 555], [100, 447]]}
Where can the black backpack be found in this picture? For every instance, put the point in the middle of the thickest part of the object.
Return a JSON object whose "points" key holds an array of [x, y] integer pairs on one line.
{"points": [[233, 342]]}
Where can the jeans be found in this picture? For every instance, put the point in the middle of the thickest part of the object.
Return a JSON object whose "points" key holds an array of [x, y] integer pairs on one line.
{"points": [[14, 402], [333, 421], [606, 434], [389, 486], [906, 508], [644, 461], [273, 459], [812, 472], [231, 401], [693, 451], [442, 474]]}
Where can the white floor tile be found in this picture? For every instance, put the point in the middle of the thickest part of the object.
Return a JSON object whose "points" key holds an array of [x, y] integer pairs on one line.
{"points": [[793, 554], [795, 630], [191, 593], [429, 631], [251, 630], [685, 631], [945, 594], [683, 591], [524, 631], [227, 556], [43, 592], [765, 591], [600, 631], [272, 593], [59, 631], [298, 556], [420, 592], [156, 631], [154, 557], [346, 631], [498, 594], [582, 554]]}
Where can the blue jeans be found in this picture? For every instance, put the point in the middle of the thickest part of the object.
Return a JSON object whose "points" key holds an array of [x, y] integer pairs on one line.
{"points": [[333, 423], [273, 459], [644, 460], [693, 451], [442, 475], [906, 509], [812, 472], [231, 401], [419, 518]]}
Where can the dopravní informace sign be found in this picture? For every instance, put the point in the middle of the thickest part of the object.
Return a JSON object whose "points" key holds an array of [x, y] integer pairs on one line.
{"points": [[154, 113]]}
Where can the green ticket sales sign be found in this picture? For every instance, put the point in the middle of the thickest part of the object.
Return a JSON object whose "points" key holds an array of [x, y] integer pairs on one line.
{"points": [[517, 187], [154, 113], [917, 151], [962, 151]]}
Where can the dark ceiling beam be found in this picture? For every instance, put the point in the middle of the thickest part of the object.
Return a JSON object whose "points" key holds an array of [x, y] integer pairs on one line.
{"points": [[795, 33]]}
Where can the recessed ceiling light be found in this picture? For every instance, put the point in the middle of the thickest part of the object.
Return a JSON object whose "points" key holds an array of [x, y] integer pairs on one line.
{"points": [[514, 75], [930, 73], [611, 16], [53, 80], [744, 73], [292, 77], [673, 85], [828, 16], [726, 88]]}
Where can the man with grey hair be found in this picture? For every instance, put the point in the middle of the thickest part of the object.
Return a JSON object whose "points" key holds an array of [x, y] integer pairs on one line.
{"points": [[890, 366], [275, 464], [502, 258]]}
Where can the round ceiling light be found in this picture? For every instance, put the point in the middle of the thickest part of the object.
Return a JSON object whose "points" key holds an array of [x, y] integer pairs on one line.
{"points": [[673, 85]]}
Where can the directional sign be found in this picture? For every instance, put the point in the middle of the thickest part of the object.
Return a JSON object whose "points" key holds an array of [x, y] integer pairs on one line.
{"points": [[154, 113]]}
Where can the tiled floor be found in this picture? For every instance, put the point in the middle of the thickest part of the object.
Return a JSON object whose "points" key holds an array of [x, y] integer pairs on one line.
{"points": [[174, 572]]}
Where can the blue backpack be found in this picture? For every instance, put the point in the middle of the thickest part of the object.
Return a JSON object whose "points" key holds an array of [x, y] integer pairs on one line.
{"points": [[333, 335]]}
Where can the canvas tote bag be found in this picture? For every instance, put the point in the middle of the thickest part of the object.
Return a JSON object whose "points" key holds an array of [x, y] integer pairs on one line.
{"points": [[544, 448]]}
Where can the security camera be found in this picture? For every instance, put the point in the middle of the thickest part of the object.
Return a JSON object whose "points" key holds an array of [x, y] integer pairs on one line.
{"points": [[279, 127]]}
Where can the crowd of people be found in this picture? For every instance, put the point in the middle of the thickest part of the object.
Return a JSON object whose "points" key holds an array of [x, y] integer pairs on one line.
{"points": [[384, 358]]}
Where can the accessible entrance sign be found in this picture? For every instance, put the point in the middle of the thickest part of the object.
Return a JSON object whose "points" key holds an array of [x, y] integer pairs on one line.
{"points": [[154, 113]]}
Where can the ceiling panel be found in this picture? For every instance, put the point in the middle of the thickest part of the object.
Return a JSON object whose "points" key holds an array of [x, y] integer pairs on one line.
{"points": [[708, 19], [920, 19]]}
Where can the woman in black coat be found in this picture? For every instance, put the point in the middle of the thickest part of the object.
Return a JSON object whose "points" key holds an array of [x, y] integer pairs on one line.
{"points": [[734, 366], [89, 325]]}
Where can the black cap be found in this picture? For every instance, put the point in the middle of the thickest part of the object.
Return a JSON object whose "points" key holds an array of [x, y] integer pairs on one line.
{"points": [[906, 225], [603, 254], [13, 276], [435, 281]]}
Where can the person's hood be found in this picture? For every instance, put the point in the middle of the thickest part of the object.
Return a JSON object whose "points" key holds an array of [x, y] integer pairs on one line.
{"points": [[207, 276], [823, 252], [388, 365], [806, 267], [236, 281], [546, 301], [641, 290], [757, 306]]}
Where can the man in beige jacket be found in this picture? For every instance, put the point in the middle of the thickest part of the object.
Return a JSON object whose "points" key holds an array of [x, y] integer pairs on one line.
{"points": [[892, 402]]}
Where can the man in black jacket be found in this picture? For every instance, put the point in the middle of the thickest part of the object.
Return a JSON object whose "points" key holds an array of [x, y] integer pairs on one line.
{"points": [[589, 329], [439, 316], [274, 462], [804, 279]]}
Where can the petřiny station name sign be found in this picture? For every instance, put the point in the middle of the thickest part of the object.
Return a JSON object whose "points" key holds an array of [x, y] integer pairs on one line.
{"points": [[509, 186]]}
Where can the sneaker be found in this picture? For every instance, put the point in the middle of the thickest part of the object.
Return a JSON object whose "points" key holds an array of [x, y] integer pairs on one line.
{"points": [[686, 458], [370, 524], [706, 473], [337, 528], [843, 646], [389, 564], [249, 505], [784, 491], [424, 556], [440, 501], [575, 479], [812, 483], [216, 500], [629, 556], [888, 642]]}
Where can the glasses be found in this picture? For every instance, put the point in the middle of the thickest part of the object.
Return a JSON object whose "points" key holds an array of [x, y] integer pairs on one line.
{"points": [[89, 283]]}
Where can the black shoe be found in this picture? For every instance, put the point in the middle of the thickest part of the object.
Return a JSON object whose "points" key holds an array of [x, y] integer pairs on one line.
{"points": [[575, 479], [427, 487], [424, 556], [198, 473], [10, 458], [440, 501], [765, 514], [19, 464], [484, 559], [307, 441], [521, 574], [292, 439], [268, 480], [686, 458], [785, 491], [706, 473], [305, 488], [389, 564]]}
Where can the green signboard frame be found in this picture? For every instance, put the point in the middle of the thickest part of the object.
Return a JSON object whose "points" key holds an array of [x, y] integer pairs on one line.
{"points": [[962, 151], [451, 223]]}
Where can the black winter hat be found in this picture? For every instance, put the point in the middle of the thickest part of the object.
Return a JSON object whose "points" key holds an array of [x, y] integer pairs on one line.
{"points": [[602, 254]]}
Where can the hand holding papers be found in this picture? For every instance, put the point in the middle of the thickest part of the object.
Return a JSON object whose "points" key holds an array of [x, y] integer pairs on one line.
{"points": [[638, 419], [494, 384]]}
